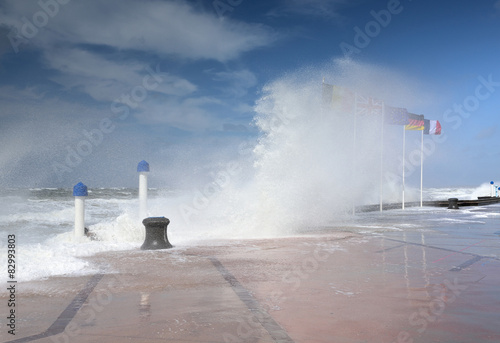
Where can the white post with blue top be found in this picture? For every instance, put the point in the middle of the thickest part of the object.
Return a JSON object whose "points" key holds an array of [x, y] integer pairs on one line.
{"points": [[80, 192], [492, 188], [143, 170]]}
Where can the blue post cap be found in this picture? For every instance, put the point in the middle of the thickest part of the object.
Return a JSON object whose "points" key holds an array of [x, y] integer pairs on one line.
{"points": [[80, 190], [492, 182], [143, 166]]}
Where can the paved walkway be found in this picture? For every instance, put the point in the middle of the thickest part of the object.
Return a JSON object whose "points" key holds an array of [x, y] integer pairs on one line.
{"points": [[328, 287]]}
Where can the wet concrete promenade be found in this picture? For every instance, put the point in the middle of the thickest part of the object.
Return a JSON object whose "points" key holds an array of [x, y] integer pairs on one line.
{"points": [[330, 286]]}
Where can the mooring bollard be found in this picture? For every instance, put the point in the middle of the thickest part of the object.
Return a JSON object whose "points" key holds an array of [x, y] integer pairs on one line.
{"points": [[143, 170], [453, 204], [80, 192], [156, 233]]}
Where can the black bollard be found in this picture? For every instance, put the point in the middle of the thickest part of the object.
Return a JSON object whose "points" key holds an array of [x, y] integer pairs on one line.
{"points": [[156, 233], [453, 203]]}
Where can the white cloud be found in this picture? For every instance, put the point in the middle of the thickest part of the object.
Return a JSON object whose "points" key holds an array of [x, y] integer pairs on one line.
{"points": [[238, 81], [13, 94], [105, 80], [86, 43], [88, 65], [102, 79], [162, 27], [185, 114], [244, 108]]}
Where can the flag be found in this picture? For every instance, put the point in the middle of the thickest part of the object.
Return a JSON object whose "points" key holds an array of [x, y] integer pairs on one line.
{"points": [[416, 122], [343, 99], [327, 94], [432, 127], [338, 98], [368, 106], [396, 116]]}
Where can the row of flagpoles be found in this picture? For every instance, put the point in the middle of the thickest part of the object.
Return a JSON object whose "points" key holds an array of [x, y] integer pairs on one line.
{"points": [[351, 103]]}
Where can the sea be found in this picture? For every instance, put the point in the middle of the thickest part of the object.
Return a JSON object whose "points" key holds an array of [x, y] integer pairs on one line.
{"points": [[42, 222]]}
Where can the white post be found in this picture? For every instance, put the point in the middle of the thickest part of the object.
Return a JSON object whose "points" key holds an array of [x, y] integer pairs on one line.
{"points": [[80, 192], [422, 170], [492, 189], [404, 148], [143, 194], [143, 170]]}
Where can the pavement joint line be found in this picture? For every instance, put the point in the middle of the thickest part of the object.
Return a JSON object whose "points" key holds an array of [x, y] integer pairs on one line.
{"points": [[277, 333], [470, 246], [466, 264], [438, 248], [68, 314], [391, 248]]}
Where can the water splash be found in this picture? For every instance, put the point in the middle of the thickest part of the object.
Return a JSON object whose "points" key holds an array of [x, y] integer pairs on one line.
{"points": [[309, 165]]}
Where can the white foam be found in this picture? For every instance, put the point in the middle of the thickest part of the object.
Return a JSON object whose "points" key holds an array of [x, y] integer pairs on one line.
{"points": [[65, 215], [61, 254], [462, 193]]}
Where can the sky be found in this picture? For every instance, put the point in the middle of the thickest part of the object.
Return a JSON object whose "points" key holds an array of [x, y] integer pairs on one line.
{"points": [[90, 88]]}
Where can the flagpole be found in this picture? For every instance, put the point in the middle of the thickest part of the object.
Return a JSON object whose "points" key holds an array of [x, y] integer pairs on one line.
{"points": [[422, 169], [404, 147], [354, 151], [323, 106], [382, 157]]}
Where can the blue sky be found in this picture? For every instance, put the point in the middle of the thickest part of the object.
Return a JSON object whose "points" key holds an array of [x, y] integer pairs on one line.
{"points": [[90, 88]]}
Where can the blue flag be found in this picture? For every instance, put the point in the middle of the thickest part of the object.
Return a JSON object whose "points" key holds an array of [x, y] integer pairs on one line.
{"points": [[396, 116]]}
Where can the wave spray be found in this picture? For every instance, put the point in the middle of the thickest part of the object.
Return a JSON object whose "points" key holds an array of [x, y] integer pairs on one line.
{"points": [[310, 165]]}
